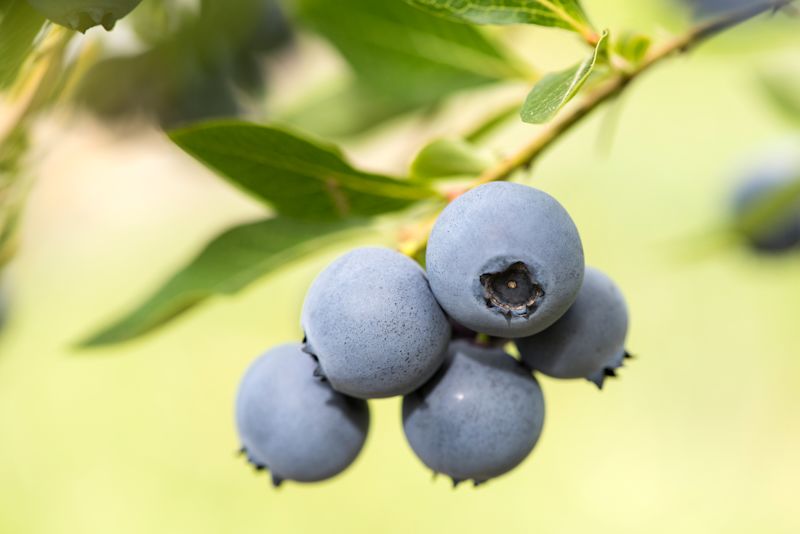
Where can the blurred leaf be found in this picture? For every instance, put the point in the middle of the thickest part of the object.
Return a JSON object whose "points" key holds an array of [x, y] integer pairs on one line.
{"points": [[784, 93], [633, 47], [400, 51], [567, 14], [555, 90], [493, 121], [19, 26], [344, 109], [13, 189], [227, 264], [154, 20], [298, 177], [448, 158], [174, 85], [194, 69]]}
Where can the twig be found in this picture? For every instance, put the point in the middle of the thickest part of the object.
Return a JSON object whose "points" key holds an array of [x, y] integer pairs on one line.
{"points": [[610, 89], [614, 86]]}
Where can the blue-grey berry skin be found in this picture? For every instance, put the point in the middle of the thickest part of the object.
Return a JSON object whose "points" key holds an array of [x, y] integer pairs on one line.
{"points": [[588, 341], [371, 320], [479, 416], [771, 173], [292, 423], [505, 259], [81, 15]]}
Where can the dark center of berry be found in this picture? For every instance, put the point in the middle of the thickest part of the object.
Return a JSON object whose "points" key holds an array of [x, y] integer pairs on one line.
{"points": [[513, 291]]}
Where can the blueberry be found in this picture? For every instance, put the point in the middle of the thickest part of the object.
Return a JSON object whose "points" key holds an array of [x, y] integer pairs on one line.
{"points": [[292, 423], [81, 15], [505, 259], [774, 171], [372, 322], [478, 417], [588, 341]]}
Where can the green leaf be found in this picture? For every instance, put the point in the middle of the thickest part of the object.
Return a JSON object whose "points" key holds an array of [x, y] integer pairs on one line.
{"points": [[19, 26], [448, 158], [567, 14], [555, 90], [633, 47], [298, 177], [228, 263], [491, 122], [784, 93], [344, 108], [400, 51]]}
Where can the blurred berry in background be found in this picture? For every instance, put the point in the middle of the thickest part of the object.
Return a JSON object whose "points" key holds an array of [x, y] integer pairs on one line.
{"points": [[773, 177]]}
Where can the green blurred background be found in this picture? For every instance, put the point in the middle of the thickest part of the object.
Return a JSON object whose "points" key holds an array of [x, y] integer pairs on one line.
{"points": [[699, 435]]}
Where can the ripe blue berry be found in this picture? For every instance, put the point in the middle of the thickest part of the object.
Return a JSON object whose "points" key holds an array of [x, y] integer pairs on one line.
{"points": [[372, 322], [505, 259], [478, 417], [588, 341], [771, 174], [292, 423], [81, 15]]}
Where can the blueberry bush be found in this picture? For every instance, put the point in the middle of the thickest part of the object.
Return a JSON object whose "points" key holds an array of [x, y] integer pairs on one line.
{"points": [[487, 285]]}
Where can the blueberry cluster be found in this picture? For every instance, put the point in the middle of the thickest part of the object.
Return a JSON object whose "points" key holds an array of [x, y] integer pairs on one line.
{"points": [[504, 264]]}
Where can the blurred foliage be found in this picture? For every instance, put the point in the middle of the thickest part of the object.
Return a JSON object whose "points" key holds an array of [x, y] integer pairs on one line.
{"points": [[632, 46], [347, 108], [36, 86], [783, 90], [14, 147], [399, 51], [194, 64], [19, 26], [566, 14], [402, 60]]}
